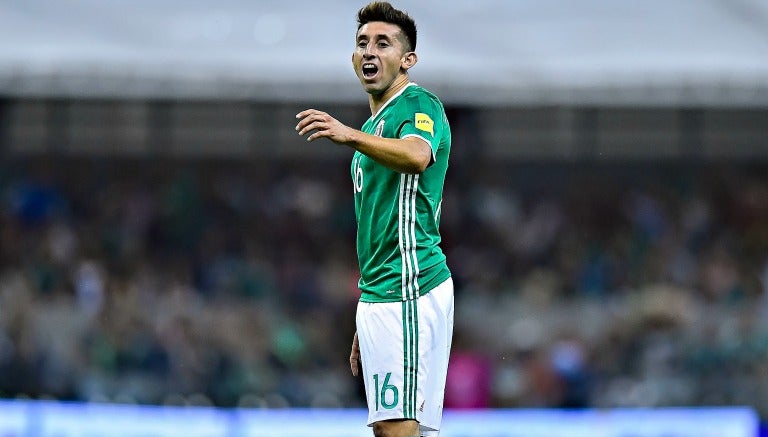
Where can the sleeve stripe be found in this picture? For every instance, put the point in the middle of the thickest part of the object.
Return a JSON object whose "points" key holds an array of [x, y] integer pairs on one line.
{"points": [[419, 136]]}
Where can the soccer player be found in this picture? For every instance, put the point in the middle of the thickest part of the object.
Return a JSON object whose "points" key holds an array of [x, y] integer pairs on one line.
{"points": [[405, 314]]}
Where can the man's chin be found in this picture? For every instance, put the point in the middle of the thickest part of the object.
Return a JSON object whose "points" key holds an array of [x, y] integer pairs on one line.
{"points": [[374, 90]]}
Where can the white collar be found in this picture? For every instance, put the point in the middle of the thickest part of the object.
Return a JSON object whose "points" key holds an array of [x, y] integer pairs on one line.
{"points": [[397, 94]]}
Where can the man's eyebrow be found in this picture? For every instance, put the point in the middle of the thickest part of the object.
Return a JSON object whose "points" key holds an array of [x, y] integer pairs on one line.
{"points": [[378, 36]]}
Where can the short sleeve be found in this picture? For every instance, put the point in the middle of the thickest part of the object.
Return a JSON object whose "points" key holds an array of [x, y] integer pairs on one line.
{"points": [[422, 117]]}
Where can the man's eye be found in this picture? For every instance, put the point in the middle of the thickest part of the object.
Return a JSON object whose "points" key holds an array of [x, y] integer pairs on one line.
{"points": [[362, 44], [383, 45]]}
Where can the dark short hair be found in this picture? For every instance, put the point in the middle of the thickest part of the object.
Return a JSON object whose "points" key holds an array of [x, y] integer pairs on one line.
{"points": [[383, 11]]}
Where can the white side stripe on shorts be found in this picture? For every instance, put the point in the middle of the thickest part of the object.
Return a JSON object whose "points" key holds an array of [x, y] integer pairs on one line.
{"points": [[410, 356]]}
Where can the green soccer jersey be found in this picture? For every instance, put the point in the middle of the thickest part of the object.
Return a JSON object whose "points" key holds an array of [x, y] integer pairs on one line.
{"points": [[398, 215]]}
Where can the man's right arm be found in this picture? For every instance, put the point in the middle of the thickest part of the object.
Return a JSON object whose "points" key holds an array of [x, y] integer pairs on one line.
{"points": [[354, 356]]}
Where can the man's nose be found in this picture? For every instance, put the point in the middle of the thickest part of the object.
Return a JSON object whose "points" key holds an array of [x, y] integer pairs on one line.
{"points": [[367, 52]]}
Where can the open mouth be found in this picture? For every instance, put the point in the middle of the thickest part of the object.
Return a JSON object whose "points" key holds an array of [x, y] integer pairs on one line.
{"points": [[369, 70]]}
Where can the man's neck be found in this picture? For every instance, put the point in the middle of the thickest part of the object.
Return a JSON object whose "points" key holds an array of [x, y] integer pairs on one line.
{"points": [[378, 100]]}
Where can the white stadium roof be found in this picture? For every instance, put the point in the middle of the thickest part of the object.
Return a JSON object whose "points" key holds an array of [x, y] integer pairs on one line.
{"points": [[482, 52]]}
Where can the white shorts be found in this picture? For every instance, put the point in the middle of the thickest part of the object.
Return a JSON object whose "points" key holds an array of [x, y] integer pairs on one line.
{"points": [[404, 348]]}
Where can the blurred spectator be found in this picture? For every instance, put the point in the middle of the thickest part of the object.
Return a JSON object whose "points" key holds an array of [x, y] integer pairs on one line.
{"points": [[234, 284], [468, 383]]}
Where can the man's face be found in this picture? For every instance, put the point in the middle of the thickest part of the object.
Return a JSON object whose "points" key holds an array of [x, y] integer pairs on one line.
{"points": [[378, 55]]}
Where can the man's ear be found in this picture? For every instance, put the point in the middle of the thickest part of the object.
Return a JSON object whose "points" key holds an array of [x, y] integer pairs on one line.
{"points": [[409, 60]]}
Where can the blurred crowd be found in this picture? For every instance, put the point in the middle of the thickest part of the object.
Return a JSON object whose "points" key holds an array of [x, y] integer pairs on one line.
{"points": [[233, 283]]}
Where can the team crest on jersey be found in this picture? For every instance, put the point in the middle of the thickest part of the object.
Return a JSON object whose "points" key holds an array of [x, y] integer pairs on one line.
{"points": [[379, 128], [425, 123]]}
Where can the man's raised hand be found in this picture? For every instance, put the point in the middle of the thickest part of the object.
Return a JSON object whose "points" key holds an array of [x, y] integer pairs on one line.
{"points": [[322, 125]]}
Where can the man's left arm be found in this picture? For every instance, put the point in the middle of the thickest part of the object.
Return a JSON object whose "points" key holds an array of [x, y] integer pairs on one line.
{"points": [[410, 154]]}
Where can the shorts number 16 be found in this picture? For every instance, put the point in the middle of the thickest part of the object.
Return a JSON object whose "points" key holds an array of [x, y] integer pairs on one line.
{"points": [[381, 395]]}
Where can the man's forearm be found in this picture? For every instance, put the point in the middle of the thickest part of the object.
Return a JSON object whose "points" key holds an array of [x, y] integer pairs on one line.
{"points": [[408, 155]]}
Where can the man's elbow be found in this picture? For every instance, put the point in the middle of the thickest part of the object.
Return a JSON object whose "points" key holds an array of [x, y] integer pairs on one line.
{"points": [[418, 158], [419, 163], [423, 159]]}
